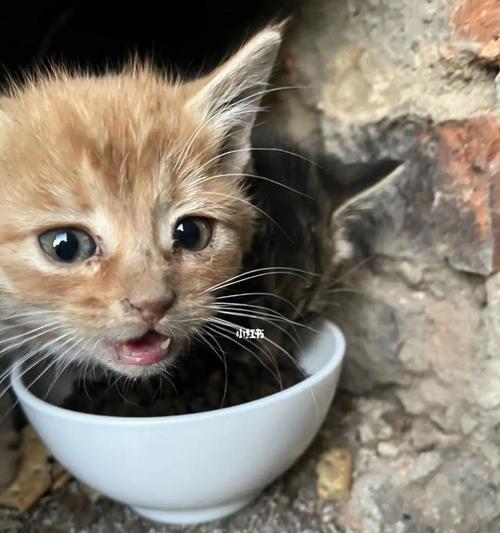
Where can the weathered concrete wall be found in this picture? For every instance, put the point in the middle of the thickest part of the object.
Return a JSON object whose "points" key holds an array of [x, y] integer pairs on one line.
{"points": [[416, 80]]}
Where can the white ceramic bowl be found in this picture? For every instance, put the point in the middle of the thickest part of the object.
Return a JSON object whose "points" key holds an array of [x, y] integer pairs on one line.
{"points": [[197, 467]]}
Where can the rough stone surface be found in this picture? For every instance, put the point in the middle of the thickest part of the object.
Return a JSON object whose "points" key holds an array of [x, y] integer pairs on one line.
{"points": [[420, 301]]}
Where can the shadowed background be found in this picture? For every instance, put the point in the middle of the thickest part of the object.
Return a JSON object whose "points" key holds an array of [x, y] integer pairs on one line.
{"points": [[191, 36]]}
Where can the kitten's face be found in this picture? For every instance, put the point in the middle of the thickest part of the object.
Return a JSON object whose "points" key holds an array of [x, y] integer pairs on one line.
{"points": [[118, 214]]}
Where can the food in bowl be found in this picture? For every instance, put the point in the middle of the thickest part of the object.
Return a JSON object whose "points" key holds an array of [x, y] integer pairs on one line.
{"points": [[200, 382]]}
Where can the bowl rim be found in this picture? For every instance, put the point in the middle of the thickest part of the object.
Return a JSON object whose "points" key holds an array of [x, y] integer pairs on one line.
{"points": [[26, 396]]}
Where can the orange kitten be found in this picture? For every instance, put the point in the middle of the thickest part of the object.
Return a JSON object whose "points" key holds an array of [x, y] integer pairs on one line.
{"points": [[122, 206]]}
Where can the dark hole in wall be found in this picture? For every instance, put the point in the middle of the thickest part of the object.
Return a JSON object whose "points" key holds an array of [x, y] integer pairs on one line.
{"points": [[189, 36]]}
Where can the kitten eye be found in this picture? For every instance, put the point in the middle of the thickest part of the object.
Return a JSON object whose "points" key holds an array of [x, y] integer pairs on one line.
{"points": [[193, 233], [67, 245]]}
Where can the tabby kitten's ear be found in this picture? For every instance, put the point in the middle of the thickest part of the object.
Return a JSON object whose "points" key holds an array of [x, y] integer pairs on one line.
{"points": [[355, 182], [229, 97]]}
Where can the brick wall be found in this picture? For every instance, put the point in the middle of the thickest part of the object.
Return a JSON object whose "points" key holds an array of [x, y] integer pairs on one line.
{"points": [[416, 80]]}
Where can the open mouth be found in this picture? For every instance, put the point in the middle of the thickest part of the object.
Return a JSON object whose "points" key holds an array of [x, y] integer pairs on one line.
{"points": [[151, 348]]}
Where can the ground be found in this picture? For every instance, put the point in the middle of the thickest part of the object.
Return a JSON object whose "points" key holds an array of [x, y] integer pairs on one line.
{"points": [[290, 505], [392, 489]]}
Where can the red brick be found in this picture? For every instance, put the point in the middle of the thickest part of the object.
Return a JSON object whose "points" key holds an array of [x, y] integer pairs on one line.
{"points": [[478, 22], [468, 191]]}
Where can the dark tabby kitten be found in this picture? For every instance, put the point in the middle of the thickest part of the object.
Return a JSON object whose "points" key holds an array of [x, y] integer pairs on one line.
{"points": [[301, 241]]}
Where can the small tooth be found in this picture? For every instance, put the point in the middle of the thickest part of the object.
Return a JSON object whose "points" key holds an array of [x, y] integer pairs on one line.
{"points": [[165, 344], [125, 351]]}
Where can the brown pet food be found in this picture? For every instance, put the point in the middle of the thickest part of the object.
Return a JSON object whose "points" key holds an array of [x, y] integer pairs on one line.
{"points": [[197, 384]]}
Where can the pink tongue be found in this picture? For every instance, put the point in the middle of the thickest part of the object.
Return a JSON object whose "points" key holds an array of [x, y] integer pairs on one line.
{"points": [[150, 348]]}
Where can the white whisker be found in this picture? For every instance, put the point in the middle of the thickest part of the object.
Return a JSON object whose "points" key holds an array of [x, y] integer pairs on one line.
{"points": [[264, 271], [216, 324], [199, 181], [220, 354], [246, 202], [44, 326]]}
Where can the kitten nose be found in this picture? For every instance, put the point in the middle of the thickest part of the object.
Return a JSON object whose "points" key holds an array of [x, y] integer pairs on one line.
{"points": [[152, 311]]}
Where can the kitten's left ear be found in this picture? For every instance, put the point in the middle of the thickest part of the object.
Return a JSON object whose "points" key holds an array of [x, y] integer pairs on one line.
{"points": [[229, 97]]}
